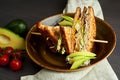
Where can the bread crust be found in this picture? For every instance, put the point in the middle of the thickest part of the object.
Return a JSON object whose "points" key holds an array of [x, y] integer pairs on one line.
{"points": [[68, 39], [92, 29], [50, 35]]}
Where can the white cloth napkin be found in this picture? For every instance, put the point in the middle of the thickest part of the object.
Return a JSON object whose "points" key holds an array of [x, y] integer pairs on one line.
{"points": [[101, 71]]}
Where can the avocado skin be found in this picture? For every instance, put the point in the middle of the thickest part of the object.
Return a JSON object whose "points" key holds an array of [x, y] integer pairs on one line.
{"points": [[18, 26], [16, 41]]}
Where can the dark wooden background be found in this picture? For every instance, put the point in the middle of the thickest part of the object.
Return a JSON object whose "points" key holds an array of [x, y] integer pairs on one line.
{"points": [[34, 10]]}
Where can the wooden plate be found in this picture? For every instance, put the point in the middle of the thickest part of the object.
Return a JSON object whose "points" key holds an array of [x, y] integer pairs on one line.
{"points": [[41, 55]]}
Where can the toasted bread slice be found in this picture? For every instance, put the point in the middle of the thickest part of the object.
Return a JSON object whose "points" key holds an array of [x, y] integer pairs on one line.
{"points": [[68, 39], [50, 34], [90, 29]]}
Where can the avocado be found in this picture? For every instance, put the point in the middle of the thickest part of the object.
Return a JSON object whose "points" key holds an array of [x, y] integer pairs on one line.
{"points": [[79, 62], [18, 26], [9, 38]]}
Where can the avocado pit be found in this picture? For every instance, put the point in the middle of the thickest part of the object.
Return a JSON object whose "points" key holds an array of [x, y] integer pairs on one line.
{"points": [[4, 39]]}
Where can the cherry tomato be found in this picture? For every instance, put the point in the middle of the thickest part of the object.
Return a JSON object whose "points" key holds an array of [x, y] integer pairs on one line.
{"points": [[8, 50], [4, 60], [1, 50], [17, 54], [15, 64]]}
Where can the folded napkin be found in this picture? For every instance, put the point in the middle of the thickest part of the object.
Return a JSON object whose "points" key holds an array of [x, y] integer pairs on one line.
{"points": [[101, 71]]}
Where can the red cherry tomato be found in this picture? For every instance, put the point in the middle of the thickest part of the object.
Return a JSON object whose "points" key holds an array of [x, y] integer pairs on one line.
{"points": [[1, 50], [8, 50], [17, 54], [4, 60], [15, 64]]}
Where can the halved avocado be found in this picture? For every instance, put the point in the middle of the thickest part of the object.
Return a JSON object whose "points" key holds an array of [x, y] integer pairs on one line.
{"points": [[9, 38]]}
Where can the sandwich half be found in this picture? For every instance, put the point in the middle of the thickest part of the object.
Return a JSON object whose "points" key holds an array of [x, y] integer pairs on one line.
{"points": [[85, 30], [62, 39]]}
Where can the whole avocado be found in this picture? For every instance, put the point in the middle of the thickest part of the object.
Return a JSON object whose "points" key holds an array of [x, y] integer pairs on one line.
{"points": [[18, 26]]}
